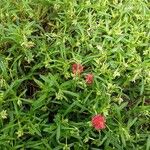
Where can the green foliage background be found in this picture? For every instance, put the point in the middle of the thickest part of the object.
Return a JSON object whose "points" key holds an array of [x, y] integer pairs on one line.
{"points": [[43, 106]]}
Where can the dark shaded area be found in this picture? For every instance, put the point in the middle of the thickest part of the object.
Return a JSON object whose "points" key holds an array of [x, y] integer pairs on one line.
{"points": [[147, 102], [51, 116], [32, 88], [26, 66], [74, 116], [53, 110]]}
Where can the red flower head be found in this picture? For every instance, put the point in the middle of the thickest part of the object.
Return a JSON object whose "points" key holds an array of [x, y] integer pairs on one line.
{"points": [[98, 122], [89, 78], [77, 69]]}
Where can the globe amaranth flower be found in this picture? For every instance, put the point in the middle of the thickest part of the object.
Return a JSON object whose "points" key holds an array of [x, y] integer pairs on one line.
{"points": [[77, 69], [89, 78], [98, 122]]}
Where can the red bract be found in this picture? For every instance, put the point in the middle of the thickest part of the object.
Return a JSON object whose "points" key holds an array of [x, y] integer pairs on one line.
{"points": [[77, 69], [98, 122], [89, 78]]}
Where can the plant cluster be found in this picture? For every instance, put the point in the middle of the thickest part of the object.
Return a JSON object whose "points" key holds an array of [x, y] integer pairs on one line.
{"points": [[74, 74]]}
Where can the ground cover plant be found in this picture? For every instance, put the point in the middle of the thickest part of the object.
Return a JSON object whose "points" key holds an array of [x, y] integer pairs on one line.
{"points": [[74, 74]]}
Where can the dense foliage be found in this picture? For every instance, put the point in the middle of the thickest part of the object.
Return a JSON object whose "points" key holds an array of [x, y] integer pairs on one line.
{"points": [[44, 104]]}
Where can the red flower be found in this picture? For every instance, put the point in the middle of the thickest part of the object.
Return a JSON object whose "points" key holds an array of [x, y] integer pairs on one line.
{"points": [[89, 78], [77, 69], [98, 122]]}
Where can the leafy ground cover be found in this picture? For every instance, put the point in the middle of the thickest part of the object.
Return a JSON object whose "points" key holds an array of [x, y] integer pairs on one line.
{"points": [[45, 103]]}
